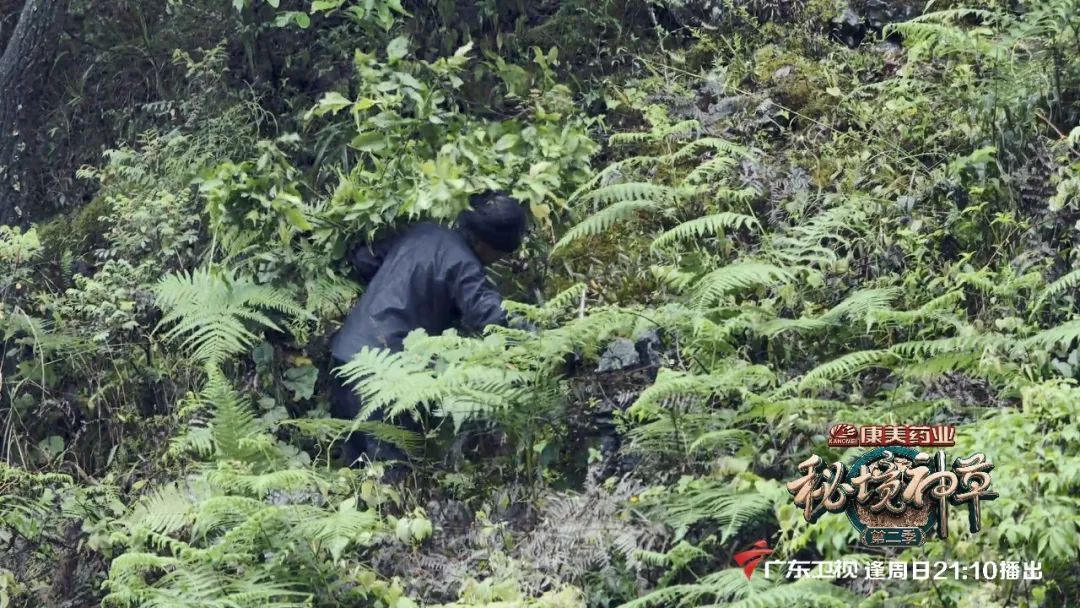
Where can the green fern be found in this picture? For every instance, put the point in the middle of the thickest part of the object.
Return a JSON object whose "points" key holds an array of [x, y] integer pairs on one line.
{"points": [[673, 387], [675, 278], [167, 509], [711, 170], [603, 220], [736, 277], [1066, 283], [340, 528], [632, 191], [214, 311], [1064, 334], [846, 366], [730, 587], [708, 143], [718, 503], [234, 421], [714, 224], [553, 308]]}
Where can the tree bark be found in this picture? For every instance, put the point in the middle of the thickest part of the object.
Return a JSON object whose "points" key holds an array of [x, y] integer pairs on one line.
{"points": [[22, 69]]}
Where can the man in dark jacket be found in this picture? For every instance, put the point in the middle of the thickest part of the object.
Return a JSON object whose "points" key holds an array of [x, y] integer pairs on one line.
{"points": [[429, 277]]}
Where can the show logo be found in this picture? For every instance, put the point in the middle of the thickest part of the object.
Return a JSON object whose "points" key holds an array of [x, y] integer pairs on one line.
{"points": [[895, 494]]}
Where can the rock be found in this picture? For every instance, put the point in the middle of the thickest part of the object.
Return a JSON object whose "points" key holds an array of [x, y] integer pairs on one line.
{"points": [[727, 106], [783, 72], [697, 13], [620, 354], [879, 13], [848, 28], [624, 353], [862, 17]]}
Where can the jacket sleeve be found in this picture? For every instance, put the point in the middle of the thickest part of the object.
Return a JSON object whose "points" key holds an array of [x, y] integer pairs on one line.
{"points": [[476, 298]]}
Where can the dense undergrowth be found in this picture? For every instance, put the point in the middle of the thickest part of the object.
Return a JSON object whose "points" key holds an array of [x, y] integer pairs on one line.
{"points": [[810, 233]]}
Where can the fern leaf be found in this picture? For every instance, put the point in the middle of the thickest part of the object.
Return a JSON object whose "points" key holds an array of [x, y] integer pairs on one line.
{"points": [[738, 276], [166, 510], [1068, 282], [711, 169], [1064, 334], [713, 224], [674, 277], [847, 365], [214, 310], [632, 191], [603, 220]]}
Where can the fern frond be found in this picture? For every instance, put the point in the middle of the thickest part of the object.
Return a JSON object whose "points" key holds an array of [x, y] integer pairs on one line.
{"points": [[633, 191], [327, 296], [742, 196], [725, 440], [775, 327], [220, 513], [804, 592], [950, 16], [715, 501], [972, 343], [673, 277], [862, 302], [166, 510], [713, 224], [711, 169], [603, 220], [709, 143], [774, 407], [387, 379], [737, 276], [941, 364], [670, 132], [565, 298], [847, 365], [1064, 334], [234, 419], [340, 528], [671, 386], [669, 435], [212, 310], [1068, 282]]}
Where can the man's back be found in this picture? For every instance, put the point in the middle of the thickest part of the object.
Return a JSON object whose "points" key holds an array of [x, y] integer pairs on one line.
{"points": [[429, 278]]}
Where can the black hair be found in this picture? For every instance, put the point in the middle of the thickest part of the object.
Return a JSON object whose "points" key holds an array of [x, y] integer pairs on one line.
{"points": [[495, 218]]}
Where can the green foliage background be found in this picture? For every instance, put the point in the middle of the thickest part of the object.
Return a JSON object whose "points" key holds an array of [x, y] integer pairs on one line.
{"points": [[819, 233]]}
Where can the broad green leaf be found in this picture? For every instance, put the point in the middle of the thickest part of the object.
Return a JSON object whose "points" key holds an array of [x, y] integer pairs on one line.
{"points": [[506, 142], [409, 81], [332, 102], [372, 141], [301, 381], [295, 217], [464, 50], [398, 48], [300, 19], [325, 5]]}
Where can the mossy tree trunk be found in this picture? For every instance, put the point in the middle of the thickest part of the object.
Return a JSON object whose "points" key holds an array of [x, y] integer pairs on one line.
{"points": [[22, 71]]}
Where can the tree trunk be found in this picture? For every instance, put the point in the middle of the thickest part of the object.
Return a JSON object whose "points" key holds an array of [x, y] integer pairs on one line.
{"points": [[22, 69]]}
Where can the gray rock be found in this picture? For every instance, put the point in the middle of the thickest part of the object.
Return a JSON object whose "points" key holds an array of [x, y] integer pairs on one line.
{"points": [[727, 106], [620, 354]]}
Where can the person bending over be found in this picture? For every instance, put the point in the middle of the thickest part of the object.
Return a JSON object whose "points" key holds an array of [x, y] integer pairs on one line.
{"points": [[429, 277]]}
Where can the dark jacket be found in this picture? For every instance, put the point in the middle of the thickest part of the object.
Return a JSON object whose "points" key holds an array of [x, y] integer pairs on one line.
{"points": [[427, 277]]}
